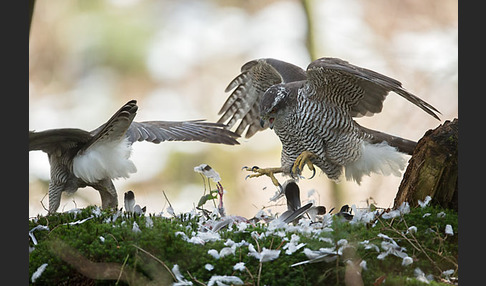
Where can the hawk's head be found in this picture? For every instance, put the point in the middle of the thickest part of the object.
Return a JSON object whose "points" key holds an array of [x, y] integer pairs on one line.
{"points": [[276, 101]]}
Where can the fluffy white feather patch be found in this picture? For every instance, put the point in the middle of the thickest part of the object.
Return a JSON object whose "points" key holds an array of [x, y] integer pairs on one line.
{"points": [[104, 161], [376, 158]]}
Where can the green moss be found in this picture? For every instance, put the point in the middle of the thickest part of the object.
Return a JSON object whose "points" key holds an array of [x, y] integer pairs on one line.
{"points": [[145, 251]]}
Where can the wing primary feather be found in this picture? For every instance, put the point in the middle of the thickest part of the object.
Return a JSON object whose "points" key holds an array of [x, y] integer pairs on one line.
{"points": [[248, 88], [340, 74], [195, 130]]}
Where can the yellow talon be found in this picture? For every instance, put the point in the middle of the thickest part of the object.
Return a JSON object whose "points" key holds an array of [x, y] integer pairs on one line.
{"points": [[257, 172], [305, 158]]}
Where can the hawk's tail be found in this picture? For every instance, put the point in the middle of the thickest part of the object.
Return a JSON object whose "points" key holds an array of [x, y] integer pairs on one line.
{"points": [[379, 158], [403, 145]]}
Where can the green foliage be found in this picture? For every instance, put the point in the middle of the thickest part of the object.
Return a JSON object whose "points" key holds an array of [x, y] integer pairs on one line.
{"points": [[159, 243]]}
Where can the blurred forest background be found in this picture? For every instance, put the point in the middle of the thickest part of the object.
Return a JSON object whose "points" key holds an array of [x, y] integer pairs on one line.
{"points": [[176, 57]]}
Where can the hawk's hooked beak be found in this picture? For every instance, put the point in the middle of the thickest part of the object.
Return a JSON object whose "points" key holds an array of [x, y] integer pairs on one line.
{"points": [[262, 122]]}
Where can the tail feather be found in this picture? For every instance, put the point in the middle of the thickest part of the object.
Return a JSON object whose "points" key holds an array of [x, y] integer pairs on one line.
{"points": [[403, 145], [376, 158]]}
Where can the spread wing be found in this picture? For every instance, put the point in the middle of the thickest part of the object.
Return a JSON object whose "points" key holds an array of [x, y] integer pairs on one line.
{"points": [[57, 140], [361, 91], [248, 88], [195, 130], [121, 125], [116, 127]]}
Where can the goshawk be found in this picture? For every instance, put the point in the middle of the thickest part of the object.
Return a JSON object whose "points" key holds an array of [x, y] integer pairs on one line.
{"points": [[312, 113], [80, 158]]}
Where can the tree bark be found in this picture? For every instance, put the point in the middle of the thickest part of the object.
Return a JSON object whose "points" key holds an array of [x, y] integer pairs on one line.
{"points": [[433, 170]]}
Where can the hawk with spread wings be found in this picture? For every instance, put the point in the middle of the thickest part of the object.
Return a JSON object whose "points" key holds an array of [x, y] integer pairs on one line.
{"points": [[312, 113], [79, 158]]}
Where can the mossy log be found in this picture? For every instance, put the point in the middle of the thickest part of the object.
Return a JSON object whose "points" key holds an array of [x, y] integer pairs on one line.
{"points": [[433, 170]]}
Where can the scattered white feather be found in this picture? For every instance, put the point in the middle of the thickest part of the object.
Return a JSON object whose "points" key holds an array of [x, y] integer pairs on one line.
{"points": [[311, 254], [242, 226], [448, 230], [96, 211], [240, 266], [196, 240], [391, 214], [425, 202], [390, 247], [326, 239], [170, 211], [412, 229], [149, 223], [208, 236], [362, 215], [31, 232], [407, 260], [448, 273], [384, 236], [108, 160], [327, 254], [255, 235], [262, 215], [376, 158], [265, 255], [207, 171], [293, 245], [80, 221], [137, 209], [404, 208], [229, 242], [181, 281], [363, 265], [342, 242], [233, 244], [227, 251], [420, 275], [38, 272], [223, 280], [135, 227], [368, 245], [183, 235], [214, 253]]}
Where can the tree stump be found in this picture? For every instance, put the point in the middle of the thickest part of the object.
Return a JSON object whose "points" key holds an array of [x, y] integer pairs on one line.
{"points": [[433, 170]]}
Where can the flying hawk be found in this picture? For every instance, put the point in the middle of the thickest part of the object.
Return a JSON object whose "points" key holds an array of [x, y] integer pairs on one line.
{"points": [[312, 113]]}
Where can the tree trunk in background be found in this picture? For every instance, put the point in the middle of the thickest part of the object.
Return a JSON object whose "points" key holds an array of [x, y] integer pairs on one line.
{"points": [[433, 170]]}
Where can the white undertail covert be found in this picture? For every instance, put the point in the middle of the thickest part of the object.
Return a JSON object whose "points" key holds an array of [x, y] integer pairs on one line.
{"points": [[104, 160], [376, 158]]}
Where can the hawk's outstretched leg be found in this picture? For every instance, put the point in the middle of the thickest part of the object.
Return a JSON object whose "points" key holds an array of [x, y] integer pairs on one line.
{"points": [[266, 171], [305, 158], [55, 191]]}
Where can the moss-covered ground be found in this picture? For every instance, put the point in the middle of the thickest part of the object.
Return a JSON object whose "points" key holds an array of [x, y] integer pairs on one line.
{"points": [[108, 247]]}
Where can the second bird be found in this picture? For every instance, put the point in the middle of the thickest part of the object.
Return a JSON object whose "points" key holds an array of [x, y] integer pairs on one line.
{"points": [[80, 158]]}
